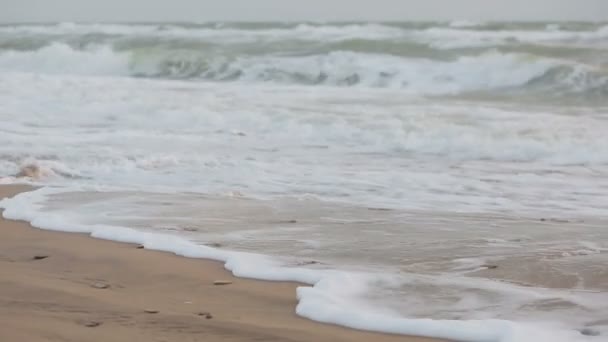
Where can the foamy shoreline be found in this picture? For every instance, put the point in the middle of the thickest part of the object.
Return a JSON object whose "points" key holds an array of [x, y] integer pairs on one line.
{"points": [[335, 296], [57, 296]]}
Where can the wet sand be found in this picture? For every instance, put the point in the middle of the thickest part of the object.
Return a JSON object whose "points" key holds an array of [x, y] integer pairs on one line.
{"points": [[82, 289]]}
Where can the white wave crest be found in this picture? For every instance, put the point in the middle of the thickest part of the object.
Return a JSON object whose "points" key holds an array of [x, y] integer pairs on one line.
{"points": [[218, 33], [414, 76], [461, 37], [465, 23], [456, 34], [59, 58]]}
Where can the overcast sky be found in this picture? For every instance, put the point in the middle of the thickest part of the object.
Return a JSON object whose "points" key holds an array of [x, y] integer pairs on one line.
{"points": [[282, 10]]}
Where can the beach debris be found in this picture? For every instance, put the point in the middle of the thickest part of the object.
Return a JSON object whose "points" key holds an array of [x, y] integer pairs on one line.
{"points": [[150, 311], [378, 209], [32, 171], [92, 324], [308, 262], [205, 314], [490, 267], [214, 244], [140, 247], [40, 257], [222, 282], [589, 332], [554, 220], [100, 286], [284, 221]]}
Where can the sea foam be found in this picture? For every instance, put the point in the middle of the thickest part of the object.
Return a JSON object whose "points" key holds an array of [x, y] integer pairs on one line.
{"points": [[333, 296]]}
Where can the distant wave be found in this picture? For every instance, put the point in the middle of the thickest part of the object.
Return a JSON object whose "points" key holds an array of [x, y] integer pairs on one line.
{"points": [[445, 35], [483, 72], [449, 37], [217, 32], [419, 58], [465, 23]]}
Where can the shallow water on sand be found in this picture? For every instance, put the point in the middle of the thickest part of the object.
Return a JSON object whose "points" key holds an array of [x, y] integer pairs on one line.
{"points": [[442, 264]]}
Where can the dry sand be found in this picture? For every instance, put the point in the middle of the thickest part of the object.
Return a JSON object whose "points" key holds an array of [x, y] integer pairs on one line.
{"points": [[86, 282]]}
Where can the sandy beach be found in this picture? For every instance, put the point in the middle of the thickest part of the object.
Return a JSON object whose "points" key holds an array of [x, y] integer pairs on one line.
{"points": [[70, 287]]}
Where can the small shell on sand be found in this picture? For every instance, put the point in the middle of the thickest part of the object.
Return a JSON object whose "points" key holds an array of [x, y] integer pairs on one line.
{"points": [[92, 324], [222, 282], [207, 315]]}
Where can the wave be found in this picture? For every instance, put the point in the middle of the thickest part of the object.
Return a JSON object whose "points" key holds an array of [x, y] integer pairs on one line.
{"points": [[461, 37], [456, 34], [216, 32], [416, 76], [59, 58], [574, 79], [489, 71], [465, 23]]}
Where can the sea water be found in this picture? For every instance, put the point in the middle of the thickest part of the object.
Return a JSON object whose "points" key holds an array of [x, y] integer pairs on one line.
{"points": [[437, 179]]}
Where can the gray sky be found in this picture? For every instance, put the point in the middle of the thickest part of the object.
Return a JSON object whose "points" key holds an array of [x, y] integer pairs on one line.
{"points": [[279, 10]]}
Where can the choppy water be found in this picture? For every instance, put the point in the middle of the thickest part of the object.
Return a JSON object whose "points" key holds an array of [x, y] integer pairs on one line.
{"points": [[483, 144], [550, 61]]}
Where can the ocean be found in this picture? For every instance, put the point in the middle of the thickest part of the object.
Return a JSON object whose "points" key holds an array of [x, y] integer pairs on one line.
{"points": [[444, 179]]}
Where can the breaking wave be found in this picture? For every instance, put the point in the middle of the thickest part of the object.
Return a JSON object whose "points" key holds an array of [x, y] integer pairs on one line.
{"points": [[464, 31], [487, 71]]}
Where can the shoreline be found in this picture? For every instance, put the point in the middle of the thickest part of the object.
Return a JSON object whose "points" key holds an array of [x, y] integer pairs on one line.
{"points": [[87, 289]]}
